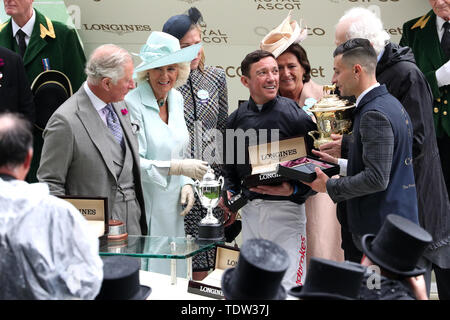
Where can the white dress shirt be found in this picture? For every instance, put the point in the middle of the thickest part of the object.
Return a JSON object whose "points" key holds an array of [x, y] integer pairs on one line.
{"points": [[440, 27], [98, 104], [27, 28]]}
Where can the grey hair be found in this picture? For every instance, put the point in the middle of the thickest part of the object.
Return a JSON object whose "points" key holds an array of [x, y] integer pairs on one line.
{"points": [[184, 68], [107, 61], [365, 24]]}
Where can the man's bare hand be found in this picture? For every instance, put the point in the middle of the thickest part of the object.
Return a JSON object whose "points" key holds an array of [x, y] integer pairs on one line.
{"points": [[418, 287], [333, 148], [324, 156], [320, 184]]}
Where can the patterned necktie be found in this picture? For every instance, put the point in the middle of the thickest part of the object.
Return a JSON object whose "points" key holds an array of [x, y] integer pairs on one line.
{"points": [[22, 43], [445, 42], [112, 121]]}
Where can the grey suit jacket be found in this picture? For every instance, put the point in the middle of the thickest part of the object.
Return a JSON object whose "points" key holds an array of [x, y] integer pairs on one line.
{"points": [[76, 159]]}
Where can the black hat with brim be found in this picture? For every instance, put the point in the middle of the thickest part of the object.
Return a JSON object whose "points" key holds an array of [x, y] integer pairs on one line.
{"points": [[398, 246], [50, 88], [121, 280], [231, 294], [330, 280], [366, 243], [297, 292], [258, 274]]}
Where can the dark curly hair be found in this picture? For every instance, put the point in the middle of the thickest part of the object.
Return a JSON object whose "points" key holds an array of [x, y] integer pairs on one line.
{"points": [[251, 58]]}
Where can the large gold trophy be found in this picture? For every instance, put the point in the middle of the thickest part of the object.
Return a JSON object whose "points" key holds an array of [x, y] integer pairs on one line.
{"points": [[333, 115]]}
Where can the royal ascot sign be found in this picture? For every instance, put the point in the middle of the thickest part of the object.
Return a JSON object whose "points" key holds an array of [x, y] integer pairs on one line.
{"points": [[214, 36], [231, 28], [277, 4]]}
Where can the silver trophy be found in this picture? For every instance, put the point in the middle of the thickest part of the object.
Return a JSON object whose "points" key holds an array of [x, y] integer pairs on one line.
{"points": [[209, 191]]}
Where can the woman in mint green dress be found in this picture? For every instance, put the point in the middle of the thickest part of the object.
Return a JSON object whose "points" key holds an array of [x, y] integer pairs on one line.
{"points": [[157, 108]]}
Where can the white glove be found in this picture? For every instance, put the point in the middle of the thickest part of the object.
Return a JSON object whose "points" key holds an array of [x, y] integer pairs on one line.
{"points": [[187, 194], [192, 168], [443, 75]]}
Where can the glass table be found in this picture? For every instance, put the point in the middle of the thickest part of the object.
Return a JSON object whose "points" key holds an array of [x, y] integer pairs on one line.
{"points": [[157, 247]]}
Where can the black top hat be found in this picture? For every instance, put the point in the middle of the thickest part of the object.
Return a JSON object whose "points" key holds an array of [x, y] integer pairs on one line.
{"points": [[398, 246], [330, 280], [121, 280], [50, 89], [258, 273]]}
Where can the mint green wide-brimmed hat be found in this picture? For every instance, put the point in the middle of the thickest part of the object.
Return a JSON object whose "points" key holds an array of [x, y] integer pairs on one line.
{"points": [[162, 49]]}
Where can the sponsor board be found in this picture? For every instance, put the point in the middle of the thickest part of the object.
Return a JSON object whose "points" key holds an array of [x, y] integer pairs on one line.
{"points": [[231, 28]]}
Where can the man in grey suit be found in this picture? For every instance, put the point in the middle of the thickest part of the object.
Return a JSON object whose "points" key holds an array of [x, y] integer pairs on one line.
{"points": [[90, 146]]}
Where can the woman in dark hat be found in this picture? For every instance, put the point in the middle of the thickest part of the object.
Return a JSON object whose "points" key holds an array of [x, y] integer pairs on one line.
{"points": [[205, 108]]}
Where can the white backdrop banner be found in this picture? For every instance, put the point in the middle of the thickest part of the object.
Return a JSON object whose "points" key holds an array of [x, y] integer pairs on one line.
{"points": [[231, 29]]}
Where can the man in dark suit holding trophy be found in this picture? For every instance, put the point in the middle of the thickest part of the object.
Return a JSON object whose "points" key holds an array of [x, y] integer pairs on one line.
{"points": [[378, 178]]}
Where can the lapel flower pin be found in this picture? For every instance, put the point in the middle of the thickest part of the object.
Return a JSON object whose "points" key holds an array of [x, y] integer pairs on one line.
{"points": [[124, 111]]}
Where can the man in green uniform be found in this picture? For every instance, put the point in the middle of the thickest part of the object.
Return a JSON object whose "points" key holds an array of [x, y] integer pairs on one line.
{"points": [[43, 44], [427, 37]]}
